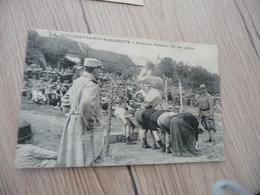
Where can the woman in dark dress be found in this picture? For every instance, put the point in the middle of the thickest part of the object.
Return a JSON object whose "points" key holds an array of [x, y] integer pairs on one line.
{"points": [[183, 128]]}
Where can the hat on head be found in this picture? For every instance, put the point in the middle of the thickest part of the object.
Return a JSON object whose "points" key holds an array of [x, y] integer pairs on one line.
{"points": [[202, 86], [91, 62], [25, 130]]}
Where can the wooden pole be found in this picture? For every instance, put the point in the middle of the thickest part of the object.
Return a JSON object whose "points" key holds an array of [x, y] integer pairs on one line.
{"points": [[108, 126], [180, 95], [166, 92], [58, 65], [173, 96]]}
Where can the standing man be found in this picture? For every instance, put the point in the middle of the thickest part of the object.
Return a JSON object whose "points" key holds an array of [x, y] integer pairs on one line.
{"points": [[80, 144], [206, 113]]}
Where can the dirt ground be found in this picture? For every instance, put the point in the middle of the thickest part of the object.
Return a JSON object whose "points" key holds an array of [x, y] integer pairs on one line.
{"points": [[47, 123]]}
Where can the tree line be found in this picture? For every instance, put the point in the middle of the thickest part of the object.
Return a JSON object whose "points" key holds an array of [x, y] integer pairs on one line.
{"points": [[191, 77]]}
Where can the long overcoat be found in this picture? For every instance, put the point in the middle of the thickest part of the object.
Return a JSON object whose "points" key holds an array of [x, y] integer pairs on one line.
{"points": [[77, 148]]}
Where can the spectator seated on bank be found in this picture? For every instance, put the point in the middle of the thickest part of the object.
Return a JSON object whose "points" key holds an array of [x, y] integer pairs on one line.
{"points": [[59, 95], [29, 155], [65, 103], [53, 101], [104, 104], [66, 84], [38, 97], [26, 91]]}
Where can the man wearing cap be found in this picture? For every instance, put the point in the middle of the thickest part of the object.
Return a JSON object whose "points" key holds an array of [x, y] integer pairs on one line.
{"points": [[206, 113], [80, 144]]}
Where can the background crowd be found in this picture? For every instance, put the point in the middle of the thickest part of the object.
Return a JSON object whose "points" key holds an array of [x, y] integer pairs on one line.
{"points": [[48, 85]]}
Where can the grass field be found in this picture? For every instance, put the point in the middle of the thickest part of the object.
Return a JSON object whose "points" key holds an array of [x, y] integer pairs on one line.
{"points": [[48, 122]]}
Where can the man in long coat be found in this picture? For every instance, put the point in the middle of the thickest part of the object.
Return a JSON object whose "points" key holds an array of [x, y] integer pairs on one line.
{"points": [[81, 141]]}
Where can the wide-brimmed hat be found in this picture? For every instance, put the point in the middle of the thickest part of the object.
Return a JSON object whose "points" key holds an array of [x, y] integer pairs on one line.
{"points": [[25, 130], [91, 62]]}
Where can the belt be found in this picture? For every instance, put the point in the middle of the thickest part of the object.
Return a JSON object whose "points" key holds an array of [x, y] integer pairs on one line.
{"points": [[205, 109], [75, 113]]}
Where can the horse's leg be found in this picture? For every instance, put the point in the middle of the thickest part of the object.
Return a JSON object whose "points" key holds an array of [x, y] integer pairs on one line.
{"points": [[155, 138], [158, 140], [167, 142], [128, 135]]}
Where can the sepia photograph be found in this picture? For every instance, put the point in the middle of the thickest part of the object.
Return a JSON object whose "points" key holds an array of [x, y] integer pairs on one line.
{"points": [[94, 100]]}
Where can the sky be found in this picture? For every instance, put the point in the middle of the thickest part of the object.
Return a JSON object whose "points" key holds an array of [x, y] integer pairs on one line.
{"points": [[142, 50]]}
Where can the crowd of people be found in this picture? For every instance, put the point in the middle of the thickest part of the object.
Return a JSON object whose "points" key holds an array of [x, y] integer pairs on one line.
{"points": [[47, 85]]}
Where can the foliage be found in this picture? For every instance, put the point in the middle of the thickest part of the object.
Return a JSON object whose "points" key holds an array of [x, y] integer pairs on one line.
{"points": [[39, 49], [167, 67], [33, 52], [191, 77], [121, 69]]}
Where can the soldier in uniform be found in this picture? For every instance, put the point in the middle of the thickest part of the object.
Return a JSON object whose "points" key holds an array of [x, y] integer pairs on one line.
{"points": [[206, 113], [82, 136]]}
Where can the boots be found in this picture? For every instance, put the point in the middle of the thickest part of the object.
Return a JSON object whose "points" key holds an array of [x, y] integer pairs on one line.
{"points": [[129, 141], [168, 151], [162, 146], [209, 137], [145, 144], [208, 140], [155, 147], [212, 141], [124, 139]]}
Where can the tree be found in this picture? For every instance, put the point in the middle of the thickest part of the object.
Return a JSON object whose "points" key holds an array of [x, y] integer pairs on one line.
{"points": [[167, 66], [55, 52], [37, 52], [33, 52], [191, 77]]}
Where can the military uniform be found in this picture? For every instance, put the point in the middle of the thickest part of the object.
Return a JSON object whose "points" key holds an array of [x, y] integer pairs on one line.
{"points": [[79, 145], [206, 113]]}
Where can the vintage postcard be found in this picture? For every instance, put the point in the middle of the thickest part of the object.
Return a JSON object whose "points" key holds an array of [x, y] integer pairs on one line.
{"points": [[135, 2], [93, 100]]}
